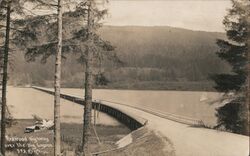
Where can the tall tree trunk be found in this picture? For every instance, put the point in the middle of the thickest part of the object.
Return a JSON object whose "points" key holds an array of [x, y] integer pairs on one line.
{"points": [[248, 93], [5, 77], [248, 78], [88, 104], [57, 132], [88, 84]]}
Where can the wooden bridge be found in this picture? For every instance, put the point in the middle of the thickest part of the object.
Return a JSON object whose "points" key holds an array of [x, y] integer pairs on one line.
{"points": [[130, 121]]}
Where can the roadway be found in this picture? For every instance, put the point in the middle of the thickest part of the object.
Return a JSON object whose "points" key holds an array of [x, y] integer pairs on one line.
{"points": [[188, 140], [191, 141]]}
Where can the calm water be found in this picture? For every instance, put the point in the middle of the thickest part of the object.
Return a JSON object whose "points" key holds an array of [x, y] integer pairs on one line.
{"points": [[187, 103], [23, 102]]}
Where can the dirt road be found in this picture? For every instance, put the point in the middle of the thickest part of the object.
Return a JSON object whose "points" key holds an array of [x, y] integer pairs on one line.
{"points": [[192, 141]]}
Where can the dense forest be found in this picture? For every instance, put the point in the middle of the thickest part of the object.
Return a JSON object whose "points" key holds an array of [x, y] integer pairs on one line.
{"points": [[152, 58]]}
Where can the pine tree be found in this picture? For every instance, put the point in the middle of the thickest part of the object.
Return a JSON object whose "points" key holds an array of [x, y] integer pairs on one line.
{"points": [[26, 34], [7, 8], [93, 51], [233, 116]]}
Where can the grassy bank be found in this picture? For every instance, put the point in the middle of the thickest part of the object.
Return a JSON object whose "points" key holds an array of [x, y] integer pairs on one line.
{"points": [[41, 143]]}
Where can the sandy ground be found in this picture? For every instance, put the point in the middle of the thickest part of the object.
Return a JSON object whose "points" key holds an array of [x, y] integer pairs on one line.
{"points": [[24, 102]]}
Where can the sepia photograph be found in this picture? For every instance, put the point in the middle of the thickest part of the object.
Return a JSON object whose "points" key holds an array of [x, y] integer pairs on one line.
{"points": [[124, 77]]}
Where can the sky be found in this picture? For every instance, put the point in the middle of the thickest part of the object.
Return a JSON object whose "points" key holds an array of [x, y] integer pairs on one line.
{"points": [[204, 15], [201, 15]]}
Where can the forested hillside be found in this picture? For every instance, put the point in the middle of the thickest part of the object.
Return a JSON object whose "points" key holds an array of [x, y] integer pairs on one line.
{"points": [[154, 58]]}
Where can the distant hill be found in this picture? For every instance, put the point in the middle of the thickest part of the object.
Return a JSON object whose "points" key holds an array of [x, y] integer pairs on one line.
{"points": [[155, 58]]}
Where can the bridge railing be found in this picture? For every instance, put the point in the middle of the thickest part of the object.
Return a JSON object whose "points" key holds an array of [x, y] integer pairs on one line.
{"points": [[170, 116], [130, 121]]}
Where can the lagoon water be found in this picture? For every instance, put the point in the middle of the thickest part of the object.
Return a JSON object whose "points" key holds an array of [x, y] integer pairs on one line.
{"points": [[23, 102], [192, 104]]}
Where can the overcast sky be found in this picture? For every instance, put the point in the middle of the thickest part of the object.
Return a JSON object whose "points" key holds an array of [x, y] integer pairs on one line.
{"points": [[204, 15]]}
